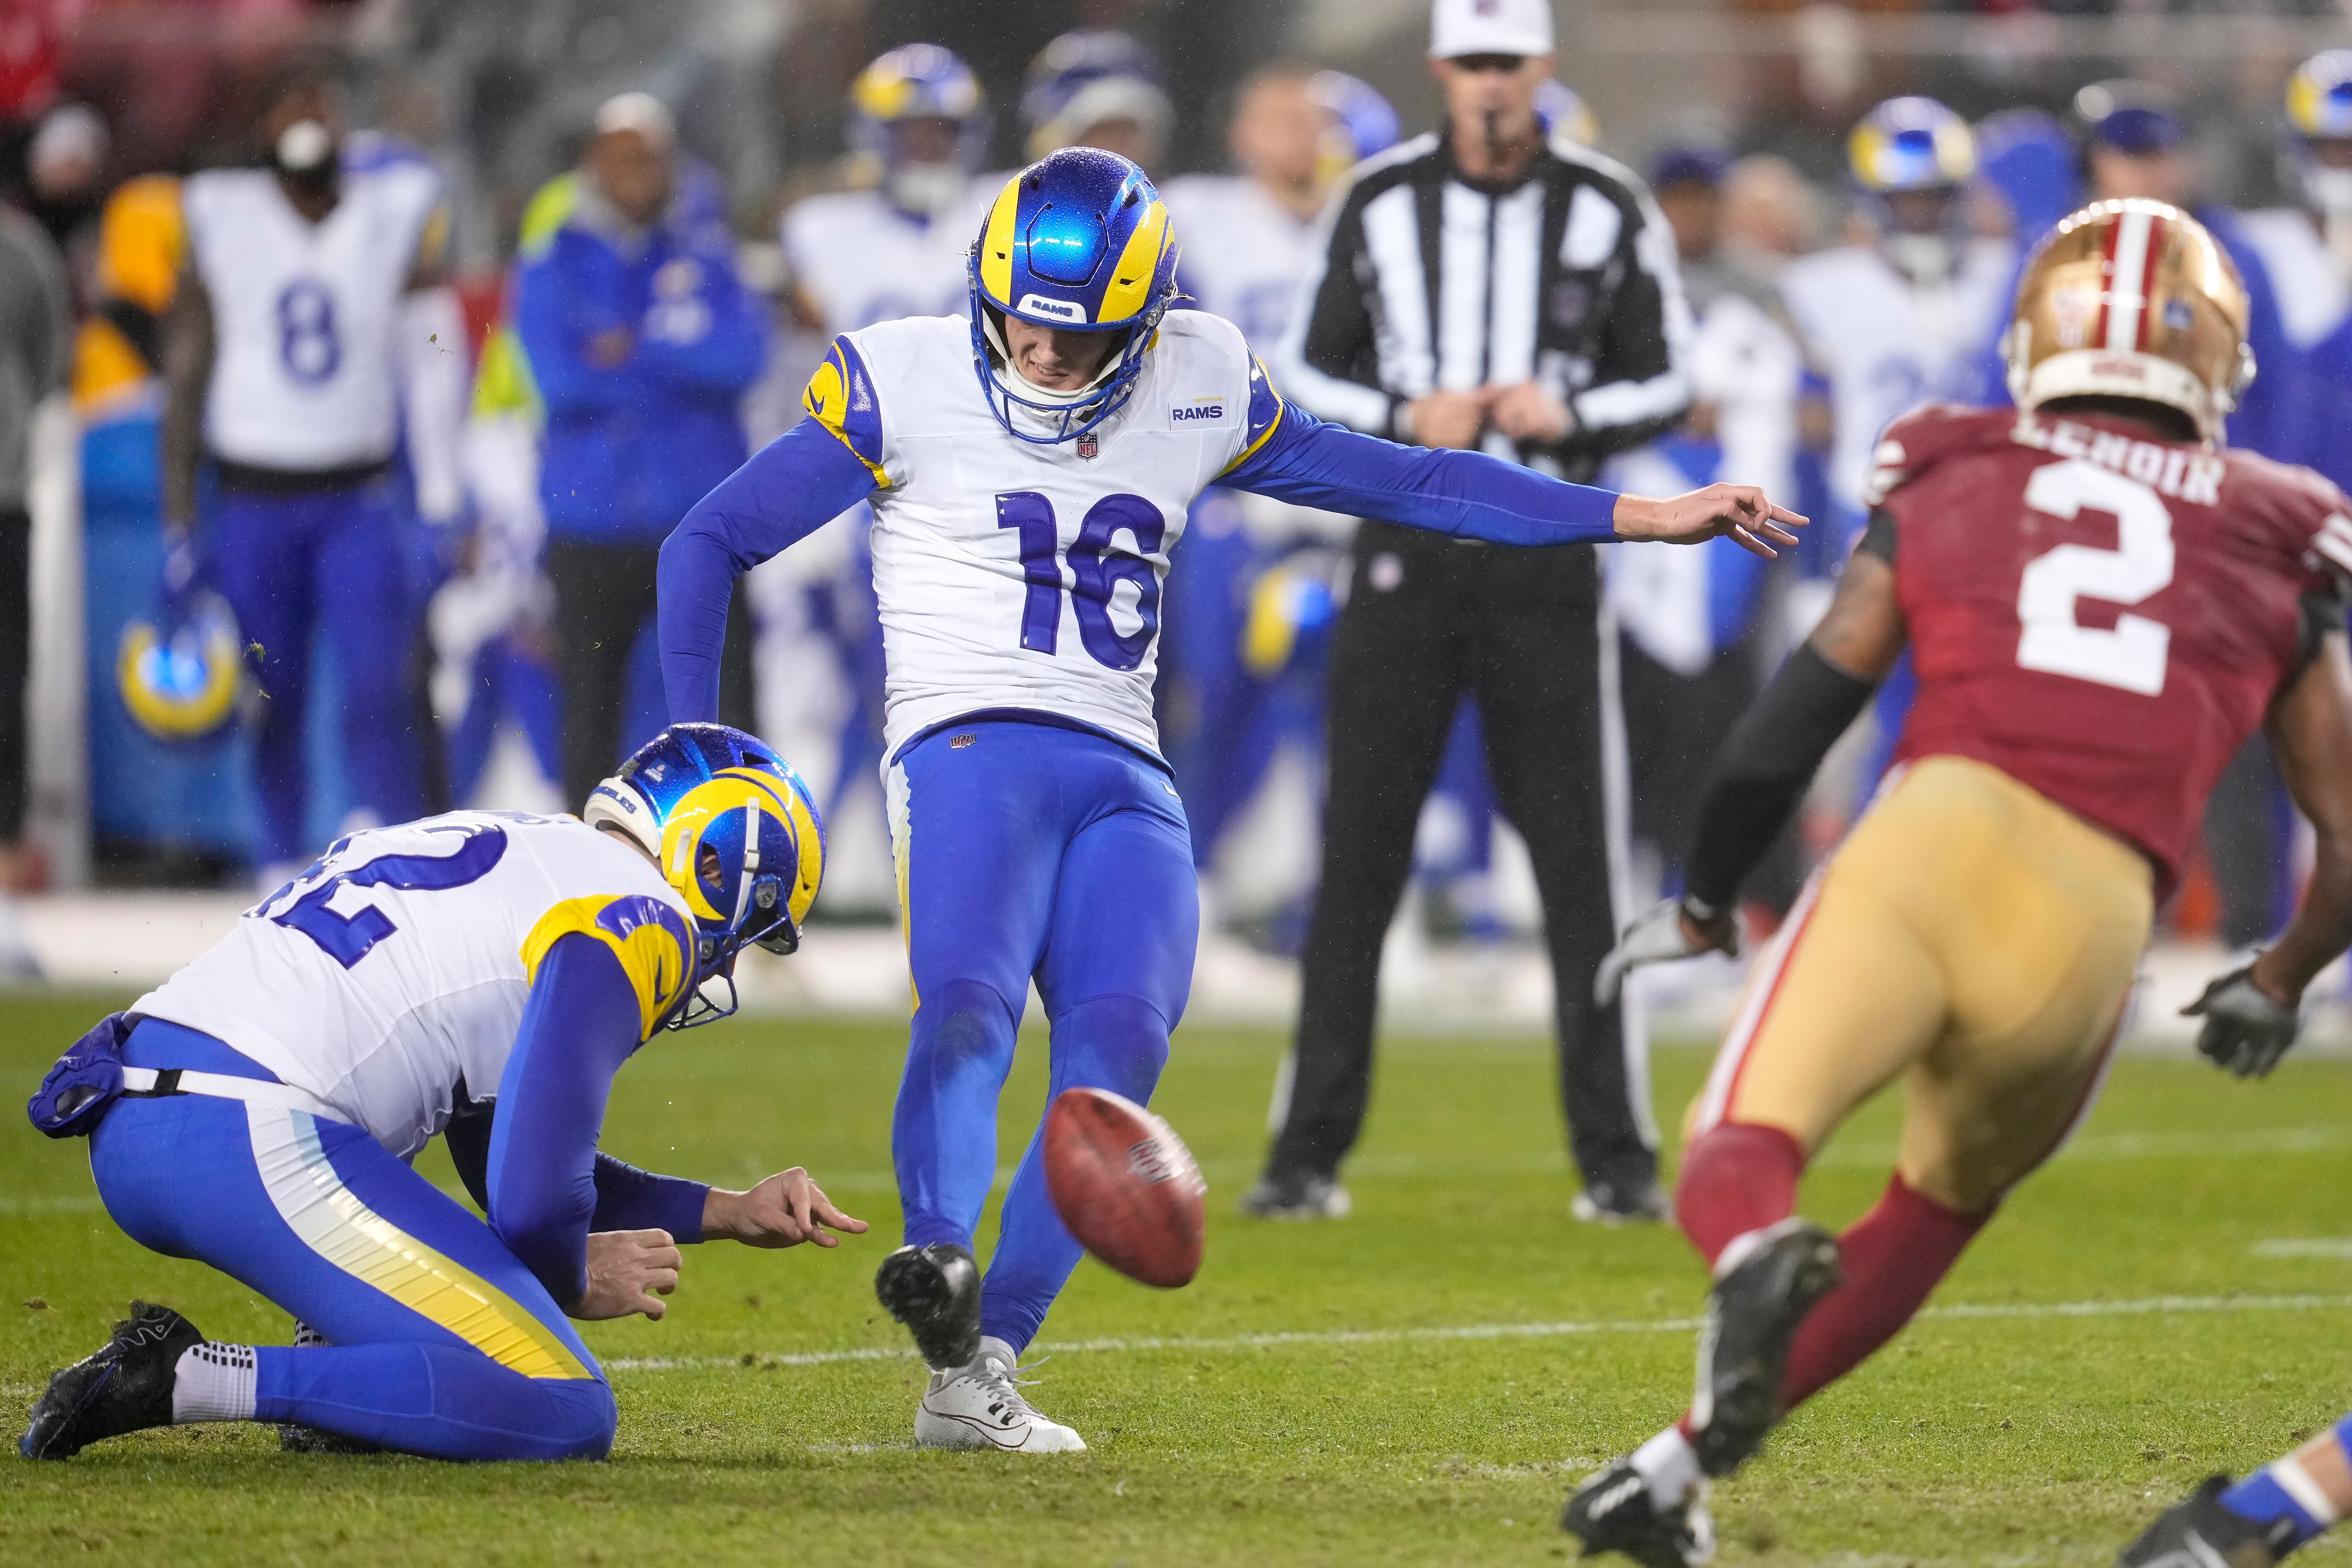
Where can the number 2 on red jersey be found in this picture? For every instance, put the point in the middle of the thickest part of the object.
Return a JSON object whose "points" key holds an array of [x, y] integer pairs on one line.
{"points": [[2131, 655]]}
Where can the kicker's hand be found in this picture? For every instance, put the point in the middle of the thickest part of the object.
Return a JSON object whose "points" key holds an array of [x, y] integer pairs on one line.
{"points": [[1738, 511], [786, 1210], [1671, 929], [2246, 1029], [628, 1271]]}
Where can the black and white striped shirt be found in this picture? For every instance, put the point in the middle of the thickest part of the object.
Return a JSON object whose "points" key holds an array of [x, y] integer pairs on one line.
{"points": [[1428, 281]]}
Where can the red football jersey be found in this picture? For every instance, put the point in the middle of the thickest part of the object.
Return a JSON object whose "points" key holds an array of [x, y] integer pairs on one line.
{"points": [[2100, 616]]}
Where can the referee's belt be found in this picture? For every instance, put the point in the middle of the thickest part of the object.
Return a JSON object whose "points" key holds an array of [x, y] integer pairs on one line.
{"points": [[154, 1083]]}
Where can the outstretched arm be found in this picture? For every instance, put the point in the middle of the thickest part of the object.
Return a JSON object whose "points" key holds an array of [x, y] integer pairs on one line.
{"points": [[786, 491], [1469, 495]]}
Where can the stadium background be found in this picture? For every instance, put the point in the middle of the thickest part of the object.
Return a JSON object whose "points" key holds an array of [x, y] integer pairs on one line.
{"points": [[141, 849], [1420, 1383]]}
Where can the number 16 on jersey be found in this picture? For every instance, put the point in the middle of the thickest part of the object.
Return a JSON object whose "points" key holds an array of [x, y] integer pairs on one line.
{"points": [[1097, 569]]}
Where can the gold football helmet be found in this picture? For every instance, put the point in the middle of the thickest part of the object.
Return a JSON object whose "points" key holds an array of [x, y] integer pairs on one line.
{"points": [[2131, 299]]}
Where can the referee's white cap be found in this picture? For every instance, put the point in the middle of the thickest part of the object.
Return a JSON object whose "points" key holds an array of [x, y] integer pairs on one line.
{"points": [[1458, 27]]}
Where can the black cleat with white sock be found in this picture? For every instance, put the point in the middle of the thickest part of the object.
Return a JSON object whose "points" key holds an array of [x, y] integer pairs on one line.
{"points": [[935, 1291], [124, 1386], [2199, 1532], [1752, 1317], [1616, 1511]]}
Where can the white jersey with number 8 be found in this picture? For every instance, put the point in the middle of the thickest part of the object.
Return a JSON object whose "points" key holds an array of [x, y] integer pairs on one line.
{"points": [[303, 313], [1012, 576]]}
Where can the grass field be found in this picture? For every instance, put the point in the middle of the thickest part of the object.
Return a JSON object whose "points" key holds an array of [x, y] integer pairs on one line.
{"points": [[1326, 1394]]}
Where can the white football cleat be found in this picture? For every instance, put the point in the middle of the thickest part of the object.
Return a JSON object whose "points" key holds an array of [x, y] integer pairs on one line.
{"points": [[981, 1406]]}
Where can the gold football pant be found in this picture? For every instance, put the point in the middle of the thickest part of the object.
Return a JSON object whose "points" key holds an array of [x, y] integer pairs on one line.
{"points": [[1970, 937]]}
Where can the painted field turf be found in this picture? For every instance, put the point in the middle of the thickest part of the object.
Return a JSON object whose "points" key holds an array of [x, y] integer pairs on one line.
{"points": [[2115, 1336]]}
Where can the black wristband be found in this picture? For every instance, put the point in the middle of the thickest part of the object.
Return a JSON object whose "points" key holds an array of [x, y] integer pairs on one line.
{"points": [[1762, 771]]}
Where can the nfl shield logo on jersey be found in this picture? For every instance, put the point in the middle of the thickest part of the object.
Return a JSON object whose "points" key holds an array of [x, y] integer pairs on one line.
{"points": [[1088, 445]]}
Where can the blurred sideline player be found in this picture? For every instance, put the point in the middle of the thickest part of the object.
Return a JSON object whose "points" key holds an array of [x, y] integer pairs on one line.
{"points": [[1022, 532], [2102, 606], [1095, 87], [2308, 248], [918, 127], [1685, 616], [1251, 591], [257, 1112], [2133, 141], [308, 291], [1898, 319]]}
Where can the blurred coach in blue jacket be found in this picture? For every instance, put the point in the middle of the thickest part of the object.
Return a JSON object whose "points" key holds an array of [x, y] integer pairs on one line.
{"points": [[643, 340]]}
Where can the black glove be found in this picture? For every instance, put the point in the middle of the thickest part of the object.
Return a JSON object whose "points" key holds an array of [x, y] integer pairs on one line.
{"points": [[2245, 1030]]}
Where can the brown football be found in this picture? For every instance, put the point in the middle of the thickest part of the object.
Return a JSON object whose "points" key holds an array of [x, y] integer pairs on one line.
{"points": [[1125, 1186]]}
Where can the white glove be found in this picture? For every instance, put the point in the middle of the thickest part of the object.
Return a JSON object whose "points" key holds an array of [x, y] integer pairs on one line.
{"points": [[1662, 934], [2246, 1031]]}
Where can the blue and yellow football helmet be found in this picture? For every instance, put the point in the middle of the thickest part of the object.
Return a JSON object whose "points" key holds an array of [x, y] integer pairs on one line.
{"points": [[1078, 240], [1087, 77], [1361, 122], [2319, 109], [737, 834], [1911, 144], [179, 670], [915, 81], [1564, 115]]}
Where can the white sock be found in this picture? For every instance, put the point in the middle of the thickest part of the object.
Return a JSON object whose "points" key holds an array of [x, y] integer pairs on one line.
{"points": [[215, 1383], [1670, 1465]]}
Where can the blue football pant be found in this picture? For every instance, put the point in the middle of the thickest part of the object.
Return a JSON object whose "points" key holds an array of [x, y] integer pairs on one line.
{"points": [[1026, 849], [327, 563], [439, 1342]]}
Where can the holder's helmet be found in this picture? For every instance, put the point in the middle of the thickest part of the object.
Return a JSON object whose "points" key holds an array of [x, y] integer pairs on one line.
{"points": [[914, 82], [735, 833]]}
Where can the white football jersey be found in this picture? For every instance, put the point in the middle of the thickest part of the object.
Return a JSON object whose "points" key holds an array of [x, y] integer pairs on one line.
{"points": [[1242, 254], [304, 315], [1888, 345], [1012, 576], [2312, 292], [398, 964], [860, 260]]}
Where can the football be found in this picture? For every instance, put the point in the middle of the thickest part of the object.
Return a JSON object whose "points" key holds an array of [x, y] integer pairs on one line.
{"points": [[1125, 1186]]}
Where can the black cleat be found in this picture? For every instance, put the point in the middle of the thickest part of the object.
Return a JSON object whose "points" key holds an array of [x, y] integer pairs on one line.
{"points": [[2199, 1532], [124, 1387], [935, 1291], [1752, 1317], [1295, 1195], [1614, 1512]]}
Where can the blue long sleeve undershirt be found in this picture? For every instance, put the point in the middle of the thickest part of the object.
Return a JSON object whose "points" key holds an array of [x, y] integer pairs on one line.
{"points": [[548, 1185], [807, 477]]}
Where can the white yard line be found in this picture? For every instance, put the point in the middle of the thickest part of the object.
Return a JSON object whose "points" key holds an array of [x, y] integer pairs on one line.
{"points": [[2304, 1246], [2147, 1306]]}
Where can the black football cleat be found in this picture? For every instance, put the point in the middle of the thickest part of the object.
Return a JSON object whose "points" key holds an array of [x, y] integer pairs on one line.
{"points": [[124, 1387], [935, 1291], [1752, 1317], [1614, 1512], [2199, 1532]]}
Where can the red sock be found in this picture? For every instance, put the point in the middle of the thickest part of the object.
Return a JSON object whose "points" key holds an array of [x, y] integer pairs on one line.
{"points": [[1894, 1255], [1736, 1177]]}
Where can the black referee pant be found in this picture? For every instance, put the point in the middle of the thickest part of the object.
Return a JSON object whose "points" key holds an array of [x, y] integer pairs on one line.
{"points": [[604, 597], [1427, 618]]}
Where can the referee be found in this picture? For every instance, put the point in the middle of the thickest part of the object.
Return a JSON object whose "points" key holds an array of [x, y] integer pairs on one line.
{"points": [[1480, 288]]}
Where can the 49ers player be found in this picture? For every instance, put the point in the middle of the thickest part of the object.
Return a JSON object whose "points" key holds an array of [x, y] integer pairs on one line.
{"points": [[2101, 607]]}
